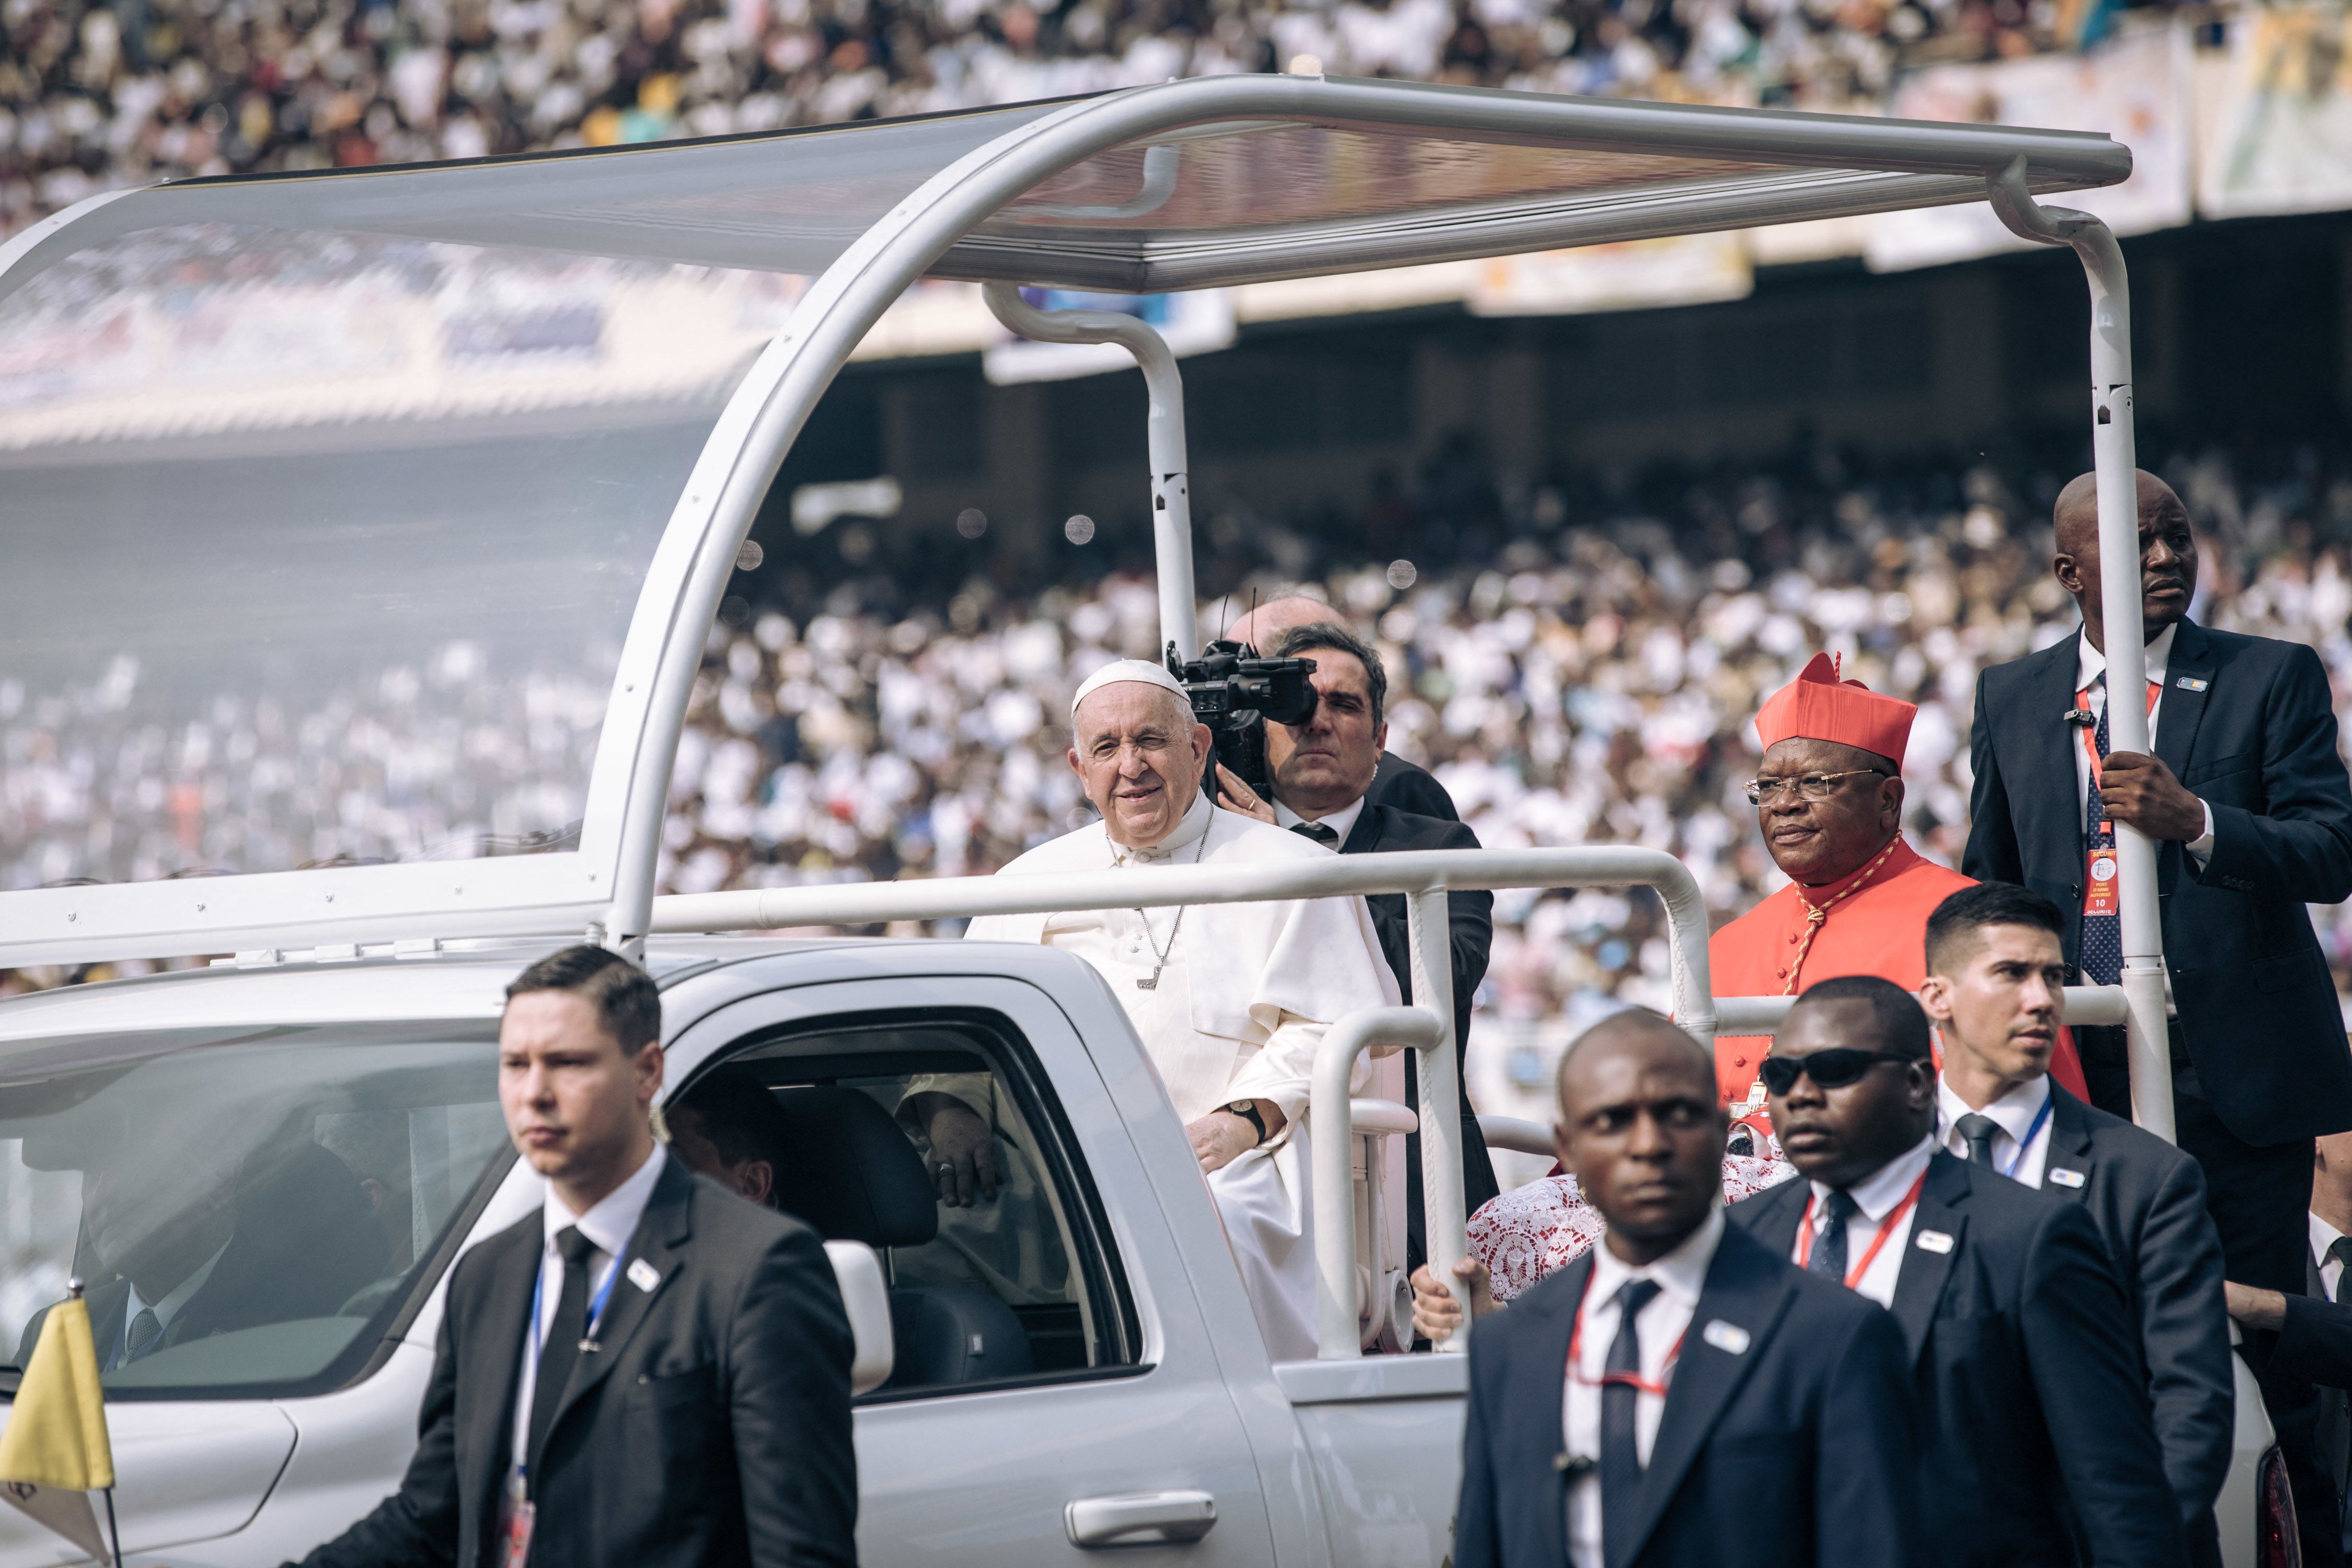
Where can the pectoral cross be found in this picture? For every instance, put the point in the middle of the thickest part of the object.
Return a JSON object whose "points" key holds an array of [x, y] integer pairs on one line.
{"points": [[1153, 983]]}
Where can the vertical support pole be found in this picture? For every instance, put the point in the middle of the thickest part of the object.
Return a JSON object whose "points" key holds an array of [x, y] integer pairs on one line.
{"points": [[2115, 461], [1430, 943], [1171, 489], [1330, 1117]]}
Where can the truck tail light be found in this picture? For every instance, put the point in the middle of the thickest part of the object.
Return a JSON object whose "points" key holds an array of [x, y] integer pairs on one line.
{"points": [[2276, 1545]]}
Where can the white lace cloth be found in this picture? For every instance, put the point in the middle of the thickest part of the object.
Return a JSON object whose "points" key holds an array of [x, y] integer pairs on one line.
{"points": [[1531, 1231]]}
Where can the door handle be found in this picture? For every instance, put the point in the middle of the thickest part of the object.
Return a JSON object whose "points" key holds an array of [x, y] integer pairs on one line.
{"points": [[1145, 1518]]}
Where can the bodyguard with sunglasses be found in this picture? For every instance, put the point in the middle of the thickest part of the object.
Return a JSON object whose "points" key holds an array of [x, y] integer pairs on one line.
{"points": [[1680, 1397], [2039, 1447]]}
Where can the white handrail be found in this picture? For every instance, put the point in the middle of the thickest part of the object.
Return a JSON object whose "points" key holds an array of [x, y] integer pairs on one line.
{"points": [[1418, 871], [1329, 1111], [1762, 1015]]}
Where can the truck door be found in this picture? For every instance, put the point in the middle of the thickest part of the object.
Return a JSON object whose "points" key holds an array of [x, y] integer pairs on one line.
{"points": [[1055, 1391]]}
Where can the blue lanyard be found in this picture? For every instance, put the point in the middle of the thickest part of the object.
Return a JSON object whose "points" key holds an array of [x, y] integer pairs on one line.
{"points": [[595, 1303], [2040, 1117]]}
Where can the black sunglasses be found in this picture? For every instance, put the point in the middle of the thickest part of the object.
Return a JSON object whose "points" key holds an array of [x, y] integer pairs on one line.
{"points": [[1833, 1068]]}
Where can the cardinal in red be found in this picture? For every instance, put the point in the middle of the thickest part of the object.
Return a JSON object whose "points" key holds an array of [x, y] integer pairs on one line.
{"points": [[1829, 800]]}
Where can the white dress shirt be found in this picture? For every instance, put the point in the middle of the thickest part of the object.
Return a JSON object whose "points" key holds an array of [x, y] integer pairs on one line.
{"points": [[1876, 1194], [609, 1224], [2331, 1273], [165, 1311], [2090, 676], [2015, 1113], [1680, 1276], [1341, 822]]}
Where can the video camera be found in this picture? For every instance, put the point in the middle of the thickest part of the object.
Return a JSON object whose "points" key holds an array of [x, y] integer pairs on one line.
{"points": [[1234, 693]]}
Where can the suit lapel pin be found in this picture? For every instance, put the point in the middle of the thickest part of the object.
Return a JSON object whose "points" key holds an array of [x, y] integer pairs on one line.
{"points": [[1728, 1338], [2191, 683], [2062, 1177], [1934, 1241], [643, 1276]]}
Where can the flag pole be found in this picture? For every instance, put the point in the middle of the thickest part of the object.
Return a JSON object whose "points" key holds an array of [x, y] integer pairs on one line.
{"points": [[113, 1535]]}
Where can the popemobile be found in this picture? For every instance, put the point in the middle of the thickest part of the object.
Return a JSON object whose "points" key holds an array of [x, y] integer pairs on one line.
{"points": [[395, 629]]}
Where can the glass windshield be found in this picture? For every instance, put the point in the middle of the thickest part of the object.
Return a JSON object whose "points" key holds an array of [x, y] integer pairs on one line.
{"points": [[322, 548], [250, 1210]]}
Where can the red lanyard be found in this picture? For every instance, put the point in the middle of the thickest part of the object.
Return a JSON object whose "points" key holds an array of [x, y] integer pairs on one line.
{"points": [[2090, 735], [1626, 1379], [1885, 1228]]}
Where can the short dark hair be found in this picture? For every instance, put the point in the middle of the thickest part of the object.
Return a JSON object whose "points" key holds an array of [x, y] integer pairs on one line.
{"points": [[740, 1116], [1300, 640], [1903, 1027], [1971, 910], [623, 996]]}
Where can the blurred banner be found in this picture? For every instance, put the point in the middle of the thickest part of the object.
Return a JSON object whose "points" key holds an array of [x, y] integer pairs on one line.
{"points": [[2278, 135], [1685, 269], [2136, 88], [1194, 322]]}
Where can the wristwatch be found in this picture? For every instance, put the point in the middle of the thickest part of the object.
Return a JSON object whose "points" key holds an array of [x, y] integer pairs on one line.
{"points": [[1247, 1111]]}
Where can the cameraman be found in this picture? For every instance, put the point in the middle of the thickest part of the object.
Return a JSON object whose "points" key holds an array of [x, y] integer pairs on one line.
{"points": [[1395, 782], [1323, 772]]}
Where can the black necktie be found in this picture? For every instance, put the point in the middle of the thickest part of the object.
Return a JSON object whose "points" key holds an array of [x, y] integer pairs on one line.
{"points": [[1621, 1453], [562, 1347], [146, 1333], [1318, 831], [2339, 1252], [1828, 1257], [1979, 1130]]}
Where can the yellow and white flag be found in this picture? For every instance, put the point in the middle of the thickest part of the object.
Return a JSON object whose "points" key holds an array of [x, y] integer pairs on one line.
{"points": [[54, 1452]]}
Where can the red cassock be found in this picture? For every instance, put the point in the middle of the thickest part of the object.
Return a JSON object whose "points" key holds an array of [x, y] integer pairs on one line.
{"points": [[1875, 922]]}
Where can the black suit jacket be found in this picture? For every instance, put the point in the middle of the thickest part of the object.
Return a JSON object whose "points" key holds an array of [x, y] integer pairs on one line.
{"points": [[2148, 1198], [712, 1429], [306, 1240], [1409, 787], [2315, 1346], [1470, 921], [2027, 1380], [1799, 1449], [2257, 744]]}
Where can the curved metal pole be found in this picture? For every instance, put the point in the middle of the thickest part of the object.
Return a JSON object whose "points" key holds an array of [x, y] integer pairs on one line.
{"points": [[2115, 462], [1330, 1113], [1172, 500]]}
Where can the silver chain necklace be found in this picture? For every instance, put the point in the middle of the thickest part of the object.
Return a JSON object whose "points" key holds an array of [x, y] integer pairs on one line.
{"points": [[1159, 955]]}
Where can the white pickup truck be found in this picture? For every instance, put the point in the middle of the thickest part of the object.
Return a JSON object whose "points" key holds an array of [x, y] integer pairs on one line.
{"points": [[1076, 1365], [364, 534]]}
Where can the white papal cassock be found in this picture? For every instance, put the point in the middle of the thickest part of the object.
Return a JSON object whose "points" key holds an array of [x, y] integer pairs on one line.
{"points": [[1243, 997]]}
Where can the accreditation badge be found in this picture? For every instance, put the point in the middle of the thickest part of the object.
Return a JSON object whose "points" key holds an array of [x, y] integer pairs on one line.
{"points": [[2099, 873], [517, 1513]]}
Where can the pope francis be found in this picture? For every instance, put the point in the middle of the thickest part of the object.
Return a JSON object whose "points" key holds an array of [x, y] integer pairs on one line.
{"points": [[1231, 1000]]}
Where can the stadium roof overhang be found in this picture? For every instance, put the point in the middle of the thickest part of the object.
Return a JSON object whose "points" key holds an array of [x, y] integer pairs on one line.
{"points": [[1188, 184]]}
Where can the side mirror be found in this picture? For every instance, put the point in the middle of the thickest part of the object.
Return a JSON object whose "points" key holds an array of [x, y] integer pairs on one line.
{"points": [[865, 1297]]}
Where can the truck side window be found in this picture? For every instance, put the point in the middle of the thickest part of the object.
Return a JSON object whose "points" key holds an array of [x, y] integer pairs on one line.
{"points": [[934, 1143]]}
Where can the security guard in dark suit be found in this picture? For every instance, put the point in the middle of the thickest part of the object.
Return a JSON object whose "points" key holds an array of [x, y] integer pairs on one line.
{"points": [[2036, 1417], [2248, 801], [1326, 773], [1778, 1406], [653, 1373]]}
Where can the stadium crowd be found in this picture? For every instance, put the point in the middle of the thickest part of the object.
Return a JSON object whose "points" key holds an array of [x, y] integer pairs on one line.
{"points": [[1591, 680], [96, 96]]}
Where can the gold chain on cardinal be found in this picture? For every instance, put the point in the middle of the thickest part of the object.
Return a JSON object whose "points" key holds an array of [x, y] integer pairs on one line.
{"points": [[1817, 915]]}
